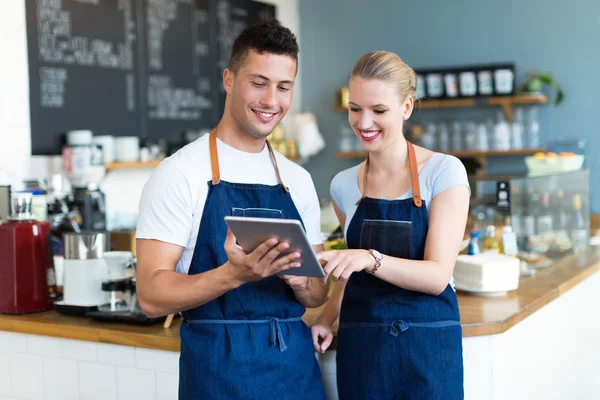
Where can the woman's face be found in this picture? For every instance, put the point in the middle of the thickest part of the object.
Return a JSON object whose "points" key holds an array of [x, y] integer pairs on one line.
{"points": [[376, 112]]}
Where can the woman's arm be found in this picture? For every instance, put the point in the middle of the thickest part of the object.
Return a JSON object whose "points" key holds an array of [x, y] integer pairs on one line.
{"points": [[331, 311], [447, 222], [321, 330]]}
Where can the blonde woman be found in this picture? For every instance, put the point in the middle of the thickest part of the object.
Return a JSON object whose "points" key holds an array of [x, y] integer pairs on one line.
{"points": [[404, 212]]}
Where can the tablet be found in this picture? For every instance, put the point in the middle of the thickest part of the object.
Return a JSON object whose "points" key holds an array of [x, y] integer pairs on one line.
{"points": [[251, 232]]}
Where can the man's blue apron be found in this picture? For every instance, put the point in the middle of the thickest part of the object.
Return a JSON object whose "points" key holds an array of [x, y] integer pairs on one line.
{"points": [[249, 343], [395, 343]]}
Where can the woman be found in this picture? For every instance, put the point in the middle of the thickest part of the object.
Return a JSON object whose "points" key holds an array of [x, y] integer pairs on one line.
{"points": [[404, 212]]}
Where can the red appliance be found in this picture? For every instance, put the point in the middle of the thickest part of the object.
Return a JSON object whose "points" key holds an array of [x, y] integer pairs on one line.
{"points": [[24, 261]]}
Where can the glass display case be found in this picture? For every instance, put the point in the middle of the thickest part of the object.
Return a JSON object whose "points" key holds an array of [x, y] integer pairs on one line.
{"points": [[549, 214]]}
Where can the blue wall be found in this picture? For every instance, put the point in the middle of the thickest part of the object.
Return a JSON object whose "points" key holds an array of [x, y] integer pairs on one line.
{"points": [[548, 35]]}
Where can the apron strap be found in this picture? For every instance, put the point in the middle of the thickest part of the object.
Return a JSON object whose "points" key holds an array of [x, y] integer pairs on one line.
{"points": [[414, 176], [272, 154], [214, 161], [214, 158]]}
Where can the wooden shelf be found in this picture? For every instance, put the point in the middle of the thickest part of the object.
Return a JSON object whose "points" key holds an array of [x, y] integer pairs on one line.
{"points": [[479, 156], [134, 164], [445, 103], [147, 164], [506, 102], [459, 153]]}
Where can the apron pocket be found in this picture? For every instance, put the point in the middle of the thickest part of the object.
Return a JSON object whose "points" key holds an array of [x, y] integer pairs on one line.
{"points": [[256, 212], [392, 238]]}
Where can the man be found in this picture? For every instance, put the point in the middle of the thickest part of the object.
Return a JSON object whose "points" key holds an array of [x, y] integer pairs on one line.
{"points": [[242, 335]]}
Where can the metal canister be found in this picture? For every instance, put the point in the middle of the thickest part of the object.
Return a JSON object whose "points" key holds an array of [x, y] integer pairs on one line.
{"points": [[86, 245]]}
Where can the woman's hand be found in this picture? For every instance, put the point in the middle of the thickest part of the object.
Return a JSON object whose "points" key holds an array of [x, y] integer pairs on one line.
{"points": [[321, 332], [342, 263]]}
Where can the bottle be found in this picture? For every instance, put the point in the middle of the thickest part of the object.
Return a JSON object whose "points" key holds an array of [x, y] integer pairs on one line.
{"points": [[532, 129], [544, 217], [443, 137], [508, 244], [560, 218], [457, 135], [490, 244], [516, 130], [528, 218], [473, 248], [501, 133], [579, 229], [482, 137], [347, 140], [516, 212]]}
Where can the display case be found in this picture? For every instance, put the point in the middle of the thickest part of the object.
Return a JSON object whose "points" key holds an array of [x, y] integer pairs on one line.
{"points": [[549, 214]]}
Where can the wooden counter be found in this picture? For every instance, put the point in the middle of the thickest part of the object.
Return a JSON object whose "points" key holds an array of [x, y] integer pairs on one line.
{"points": [[479, 315]]}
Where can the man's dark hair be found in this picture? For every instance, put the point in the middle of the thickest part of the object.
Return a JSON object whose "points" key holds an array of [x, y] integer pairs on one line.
{"points": [[264, 37]]}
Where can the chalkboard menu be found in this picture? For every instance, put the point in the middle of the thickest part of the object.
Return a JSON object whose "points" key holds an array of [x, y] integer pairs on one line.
{"points": [[147, 68]]}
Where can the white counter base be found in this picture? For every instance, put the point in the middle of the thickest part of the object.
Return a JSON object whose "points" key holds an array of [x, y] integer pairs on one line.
{"points": [[552, 354]]}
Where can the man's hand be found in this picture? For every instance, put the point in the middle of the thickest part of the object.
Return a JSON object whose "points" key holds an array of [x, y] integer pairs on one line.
{"points": [[259, 264], [297, 283]]}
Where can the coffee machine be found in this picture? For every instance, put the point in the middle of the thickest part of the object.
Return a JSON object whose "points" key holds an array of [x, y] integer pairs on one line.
{"points": [[24, 260]]}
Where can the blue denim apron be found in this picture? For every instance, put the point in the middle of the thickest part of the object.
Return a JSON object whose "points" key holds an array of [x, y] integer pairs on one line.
{"points": [[249, 343], [395, 343]]}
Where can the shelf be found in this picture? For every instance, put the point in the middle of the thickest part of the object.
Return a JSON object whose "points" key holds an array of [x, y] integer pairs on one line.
{"points": [[479, 156], [129, 165], [458, 153], [147, 164], [506, 102], [445, 103]]}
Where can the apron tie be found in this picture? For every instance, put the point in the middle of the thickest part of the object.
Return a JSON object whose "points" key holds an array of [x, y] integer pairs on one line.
{"points": [[275, 336], [398, 324]]}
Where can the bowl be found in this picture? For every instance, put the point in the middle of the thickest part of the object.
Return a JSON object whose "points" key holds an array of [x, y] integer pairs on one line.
{"points": [[549, 165]]}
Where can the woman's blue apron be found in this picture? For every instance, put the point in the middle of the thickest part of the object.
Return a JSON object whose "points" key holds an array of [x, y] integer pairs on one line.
{"points": [[395, 343], [249, 343]]}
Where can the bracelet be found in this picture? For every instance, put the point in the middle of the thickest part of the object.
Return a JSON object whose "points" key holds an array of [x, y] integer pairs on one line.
{"points": [[378, 258]]}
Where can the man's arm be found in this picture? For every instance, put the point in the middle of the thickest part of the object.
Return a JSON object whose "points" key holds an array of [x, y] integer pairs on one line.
{"points": [[161, 290]]}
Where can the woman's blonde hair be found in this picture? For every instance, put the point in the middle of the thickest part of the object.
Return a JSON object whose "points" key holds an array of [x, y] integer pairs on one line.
{"points": [[387, 66]]}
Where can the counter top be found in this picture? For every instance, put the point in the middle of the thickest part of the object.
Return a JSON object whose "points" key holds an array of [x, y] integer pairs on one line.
{"points": [[479, 315]]}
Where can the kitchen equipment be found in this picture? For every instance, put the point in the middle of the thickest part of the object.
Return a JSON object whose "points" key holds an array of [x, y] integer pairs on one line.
{"points": [[84, 270], [117, 281], [117, 262], [123, 305], [79, 137], [127, 149], [91, 206], [24, 260], [108, 147], [83, 164]]}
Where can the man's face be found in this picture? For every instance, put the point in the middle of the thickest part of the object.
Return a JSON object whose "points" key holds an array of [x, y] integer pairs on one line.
{"points": [[261, 92]]}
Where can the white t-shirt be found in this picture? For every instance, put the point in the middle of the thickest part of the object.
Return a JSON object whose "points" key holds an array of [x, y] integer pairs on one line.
{"points": [[173, 199]]}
